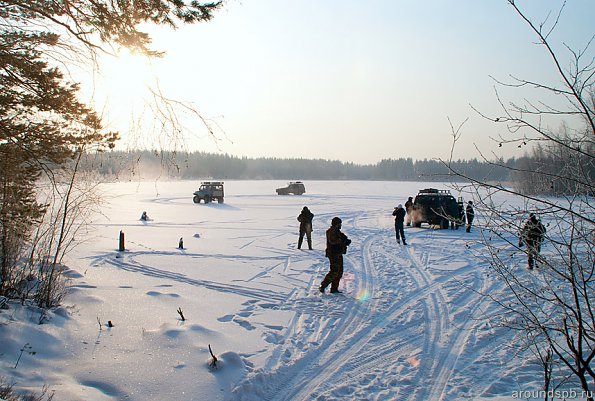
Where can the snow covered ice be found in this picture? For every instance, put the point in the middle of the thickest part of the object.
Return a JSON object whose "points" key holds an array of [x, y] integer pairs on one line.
{"points": [[410, 325]]}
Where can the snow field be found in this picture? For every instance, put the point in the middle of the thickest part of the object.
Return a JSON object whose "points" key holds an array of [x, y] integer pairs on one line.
{"points": [[411, 324]]}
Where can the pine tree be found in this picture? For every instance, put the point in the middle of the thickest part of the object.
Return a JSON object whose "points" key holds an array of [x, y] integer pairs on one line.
{"points": [[43, 125]]}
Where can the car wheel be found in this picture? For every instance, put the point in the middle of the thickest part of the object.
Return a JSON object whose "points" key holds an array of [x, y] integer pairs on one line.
{"points": [[196, 199]]}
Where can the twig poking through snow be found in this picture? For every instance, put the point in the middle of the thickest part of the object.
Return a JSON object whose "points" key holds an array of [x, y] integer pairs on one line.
{"points": [[27, 348], [213, 362], [181, 314]]}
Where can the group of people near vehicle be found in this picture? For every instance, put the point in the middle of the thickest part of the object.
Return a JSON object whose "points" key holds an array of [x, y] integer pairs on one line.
{"points": [[404, 216], [532, 236]]}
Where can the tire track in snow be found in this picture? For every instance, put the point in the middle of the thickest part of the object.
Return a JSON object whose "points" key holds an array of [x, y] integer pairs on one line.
{"points": [[366, 350], [345, 347], [448, 342], [435, 315], [367, 341], [281, 381]]}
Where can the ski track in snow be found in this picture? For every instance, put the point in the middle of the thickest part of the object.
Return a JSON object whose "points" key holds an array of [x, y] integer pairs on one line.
{"points": [[411, 334]]}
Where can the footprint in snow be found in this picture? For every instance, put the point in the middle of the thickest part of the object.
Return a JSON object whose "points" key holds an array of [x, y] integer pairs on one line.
{"points": [[226, 318], [157, 294], [244, 323]]}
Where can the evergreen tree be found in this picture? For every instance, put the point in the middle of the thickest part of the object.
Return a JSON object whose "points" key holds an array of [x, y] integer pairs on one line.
{"points": [[42, 123]]}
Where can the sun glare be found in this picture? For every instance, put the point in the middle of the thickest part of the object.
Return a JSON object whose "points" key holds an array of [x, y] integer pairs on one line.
{"points": [[124, 83]]}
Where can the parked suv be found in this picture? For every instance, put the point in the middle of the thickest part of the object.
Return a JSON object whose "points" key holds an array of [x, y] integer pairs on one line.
{"points": [[296, 188], [209, 191], [436, 207]]}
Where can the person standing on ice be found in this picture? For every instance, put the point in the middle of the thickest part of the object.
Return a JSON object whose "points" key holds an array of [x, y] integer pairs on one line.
{"points": [[305, 219], [409, 210], [470, 214], [336, 247], [399, 214], [532, 235]]}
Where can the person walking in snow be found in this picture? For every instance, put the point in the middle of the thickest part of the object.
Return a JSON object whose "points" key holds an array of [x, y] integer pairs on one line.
{"points": [[409, 210], [532, 235], [470, 214], [399, 214], [336, 247], [305, 219]]}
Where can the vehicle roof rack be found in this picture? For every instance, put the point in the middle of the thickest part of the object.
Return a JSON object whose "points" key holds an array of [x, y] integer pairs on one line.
{"points": [[435, 191]]}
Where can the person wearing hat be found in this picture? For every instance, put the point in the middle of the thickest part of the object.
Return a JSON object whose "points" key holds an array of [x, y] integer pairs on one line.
{"points": [[532, 235], [336, 246], [399, 214], [305, 219], [470, 214]]}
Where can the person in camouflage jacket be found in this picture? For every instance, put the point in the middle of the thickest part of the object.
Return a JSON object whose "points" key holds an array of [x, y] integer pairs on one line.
{"points": [[336, 247], [532, 235]]}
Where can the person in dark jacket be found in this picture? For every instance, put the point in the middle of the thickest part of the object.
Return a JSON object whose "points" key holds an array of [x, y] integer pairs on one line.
{"points": [[470, 214], [462, 220], [399, 214], [305, 219], [336, 247], [532, 235], [409, 209]]}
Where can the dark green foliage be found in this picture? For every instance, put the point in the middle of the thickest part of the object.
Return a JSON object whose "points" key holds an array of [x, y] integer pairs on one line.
{"points": [[43, 125], [115, 22], [19, 211]]}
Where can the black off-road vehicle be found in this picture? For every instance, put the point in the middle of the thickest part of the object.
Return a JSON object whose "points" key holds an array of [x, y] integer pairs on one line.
{"points": [[296, 188], [209, 191], [436, 207]]}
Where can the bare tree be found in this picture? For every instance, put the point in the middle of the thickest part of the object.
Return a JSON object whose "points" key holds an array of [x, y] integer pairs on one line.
{"points": [[549, 307], [45, 127], [72, 200]]}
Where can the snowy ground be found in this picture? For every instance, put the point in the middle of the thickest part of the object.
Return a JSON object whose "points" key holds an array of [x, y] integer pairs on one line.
{"points": [[410, 325]]}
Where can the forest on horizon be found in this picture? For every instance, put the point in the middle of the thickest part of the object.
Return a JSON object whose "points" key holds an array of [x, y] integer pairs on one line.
{"points": [[202, 165]]}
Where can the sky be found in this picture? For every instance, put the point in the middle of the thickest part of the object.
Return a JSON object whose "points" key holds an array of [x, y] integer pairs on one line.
{"points": [[341, 80]]}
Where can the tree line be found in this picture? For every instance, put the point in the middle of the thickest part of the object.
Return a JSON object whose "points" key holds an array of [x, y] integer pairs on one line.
{"points": [[202, 165], [46, 131]]}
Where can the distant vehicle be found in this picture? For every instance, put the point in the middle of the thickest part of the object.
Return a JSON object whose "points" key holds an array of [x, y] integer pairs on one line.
{"points": [[436, 207], [209, 191], [295, 187]]}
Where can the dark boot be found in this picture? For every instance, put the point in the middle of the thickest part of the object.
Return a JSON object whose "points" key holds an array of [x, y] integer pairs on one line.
{"points": [[335, 286], [324, 284]]}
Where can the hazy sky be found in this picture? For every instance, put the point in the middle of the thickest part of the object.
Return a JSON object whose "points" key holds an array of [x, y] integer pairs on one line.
{"points": [[357, 81]]}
